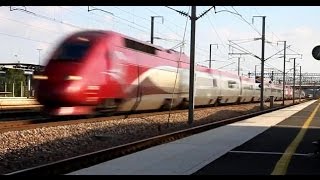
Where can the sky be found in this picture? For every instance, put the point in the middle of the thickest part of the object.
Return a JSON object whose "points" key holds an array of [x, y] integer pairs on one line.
{"points": [[29, 34]]}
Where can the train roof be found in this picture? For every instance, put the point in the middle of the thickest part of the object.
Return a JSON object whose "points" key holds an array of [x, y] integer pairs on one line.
{"points": [[159, 48], [118, 34]]}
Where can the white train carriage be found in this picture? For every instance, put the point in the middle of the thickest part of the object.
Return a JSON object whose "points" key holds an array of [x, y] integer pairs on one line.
{"points": [[277, 92], [288, 92], [230, 85], [207, 87], [248, 90], [256, 95]]}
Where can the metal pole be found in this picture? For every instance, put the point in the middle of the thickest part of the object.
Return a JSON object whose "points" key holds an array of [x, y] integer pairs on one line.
{"points": [[192, 52], [300, 86], [12, 89], [284, 72], [39, 56], [238, 66], [262, 64], [255, 72], [29, 85], [21, 89], [314, 90], [210, 60], [152, 24], [210, 57], [294, 80], [152, 27], [5, 89]]}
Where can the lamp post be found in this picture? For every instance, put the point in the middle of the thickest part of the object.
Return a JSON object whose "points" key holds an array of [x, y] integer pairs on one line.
{"points": [[314, 90], [294, 80], [255, 71], [210, 54], [39, 50], [152, 27], [262, 62], [300, 84], [284, 69]]}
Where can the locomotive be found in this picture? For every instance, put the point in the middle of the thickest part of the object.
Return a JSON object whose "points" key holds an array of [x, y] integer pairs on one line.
{"points": [[105, 70]]}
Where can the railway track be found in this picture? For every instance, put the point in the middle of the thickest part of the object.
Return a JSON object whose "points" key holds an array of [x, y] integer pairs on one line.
{"points": [[75, 163], [31, 118], [40, 121], [18, 112]]}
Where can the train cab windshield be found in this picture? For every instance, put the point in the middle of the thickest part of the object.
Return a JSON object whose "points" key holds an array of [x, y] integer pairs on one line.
{"points": [[73, 50]]}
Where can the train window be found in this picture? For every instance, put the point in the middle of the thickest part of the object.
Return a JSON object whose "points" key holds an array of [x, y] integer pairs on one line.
{"points": [[214, 82], [72, 50], [201, 81], [248, 87], [232, 84], [139, 46]]}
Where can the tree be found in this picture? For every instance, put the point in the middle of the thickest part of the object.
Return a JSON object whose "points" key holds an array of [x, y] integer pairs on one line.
{"points": [[15, 76]]}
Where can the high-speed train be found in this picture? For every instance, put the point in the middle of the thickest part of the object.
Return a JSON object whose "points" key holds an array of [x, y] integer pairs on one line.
{"points": [[105, 70]]}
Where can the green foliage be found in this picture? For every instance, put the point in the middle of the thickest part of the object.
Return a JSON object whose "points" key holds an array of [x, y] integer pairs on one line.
{"points": [[15, 76]]}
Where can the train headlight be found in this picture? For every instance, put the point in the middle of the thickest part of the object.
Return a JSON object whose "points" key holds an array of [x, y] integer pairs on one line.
{"points": [[73, 88], [40, 77], [73, 78]]}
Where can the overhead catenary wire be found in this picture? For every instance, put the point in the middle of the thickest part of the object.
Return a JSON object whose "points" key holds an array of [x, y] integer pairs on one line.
{"points": [[243, 19], [98, 18], [177, 72], [217, 34], [44, 17], [21, 37], [30, 25], [268, 26], [243, 49], [135, 24], [253, 27], [72, 25]]}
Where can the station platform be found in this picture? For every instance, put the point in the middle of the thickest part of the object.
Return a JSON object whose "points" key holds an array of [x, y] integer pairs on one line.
{"points": [[17, 102], [276, 143]]}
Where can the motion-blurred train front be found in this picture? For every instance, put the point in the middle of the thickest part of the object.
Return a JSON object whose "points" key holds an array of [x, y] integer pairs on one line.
{"points": [[71, 81], [104, 70]]}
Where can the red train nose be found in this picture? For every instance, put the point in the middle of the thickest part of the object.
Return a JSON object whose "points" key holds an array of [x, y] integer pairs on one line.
{"points": [[65, 93]]}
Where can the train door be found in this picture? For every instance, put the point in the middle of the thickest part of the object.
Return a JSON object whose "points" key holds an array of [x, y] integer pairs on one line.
{"points": [[215, 90], [245, 90], [242, 95], [219, 87], [159, 82], [131, 79], [115, 71], [205, 89], [155, 77], [231, 90], [183, 84]]}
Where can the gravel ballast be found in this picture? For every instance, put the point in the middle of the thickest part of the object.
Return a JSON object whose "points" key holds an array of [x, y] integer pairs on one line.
{"points": [[33, 147]]}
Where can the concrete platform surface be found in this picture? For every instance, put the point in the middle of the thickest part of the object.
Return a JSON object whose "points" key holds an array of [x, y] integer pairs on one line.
{"points": [[187, 155]]}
